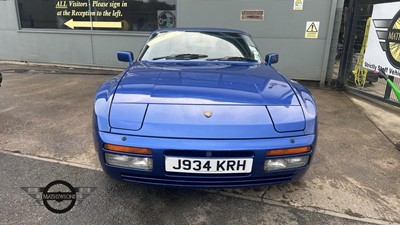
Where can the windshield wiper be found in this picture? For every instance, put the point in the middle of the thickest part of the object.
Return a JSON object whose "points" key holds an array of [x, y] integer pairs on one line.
{"points": [[233, 58], [187, 56]]}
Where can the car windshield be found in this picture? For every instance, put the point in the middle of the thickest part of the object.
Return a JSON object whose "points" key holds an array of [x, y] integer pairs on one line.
{"points": [[200, 45]]}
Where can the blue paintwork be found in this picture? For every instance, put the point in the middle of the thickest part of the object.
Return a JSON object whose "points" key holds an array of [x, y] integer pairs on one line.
{"points": [[160, 104], [227, 122], [287, 122], [199, 82], [161, 145], [127, 116], [271, 58], [309, 107], [125, 56]]}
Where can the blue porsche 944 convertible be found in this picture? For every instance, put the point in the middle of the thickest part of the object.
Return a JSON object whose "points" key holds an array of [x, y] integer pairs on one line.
{"points": [[200, 108]]}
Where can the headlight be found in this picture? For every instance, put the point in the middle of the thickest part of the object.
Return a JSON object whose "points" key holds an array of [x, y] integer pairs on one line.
{"points": [[143, 163], [285, 163]]}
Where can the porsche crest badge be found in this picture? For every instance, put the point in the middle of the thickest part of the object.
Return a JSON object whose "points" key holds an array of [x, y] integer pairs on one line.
{"points": [[207, 113]]}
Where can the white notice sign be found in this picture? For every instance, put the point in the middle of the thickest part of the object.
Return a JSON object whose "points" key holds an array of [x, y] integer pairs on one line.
{"points": [[383, 46], [312, 29], [298, 4]]}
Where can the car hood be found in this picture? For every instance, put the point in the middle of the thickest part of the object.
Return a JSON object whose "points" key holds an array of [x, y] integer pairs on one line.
{"points": [[204, 83], [205, 100]]}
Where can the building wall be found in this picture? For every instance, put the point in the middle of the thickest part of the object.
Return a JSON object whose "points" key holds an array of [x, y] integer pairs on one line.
{"points": [[282, 31], [335, 40], [62, 46]]}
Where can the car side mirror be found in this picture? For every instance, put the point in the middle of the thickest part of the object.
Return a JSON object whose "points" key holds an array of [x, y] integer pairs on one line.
{"points": [[125, 56], [271, 58]]}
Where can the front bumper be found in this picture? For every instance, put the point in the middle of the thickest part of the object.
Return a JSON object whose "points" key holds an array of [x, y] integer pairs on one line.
{"points": [[162, 147]]}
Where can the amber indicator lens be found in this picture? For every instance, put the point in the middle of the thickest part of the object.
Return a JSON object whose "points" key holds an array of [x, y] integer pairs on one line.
{"points": [[288, 151], [127, 149]]}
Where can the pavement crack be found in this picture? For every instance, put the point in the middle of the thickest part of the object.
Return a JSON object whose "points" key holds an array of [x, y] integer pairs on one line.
{"points": [[262, 196], [346, 215]]}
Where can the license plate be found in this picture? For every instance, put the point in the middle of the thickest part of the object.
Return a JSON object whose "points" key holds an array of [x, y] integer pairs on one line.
{"points": [[215, 166]]}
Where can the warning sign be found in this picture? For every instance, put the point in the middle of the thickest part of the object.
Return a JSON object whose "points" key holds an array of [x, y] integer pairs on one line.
{"points": [[298, 4], [312, 29]]}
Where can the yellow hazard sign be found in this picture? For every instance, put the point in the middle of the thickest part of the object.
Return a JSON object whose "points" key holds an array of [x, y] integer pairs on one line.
{"points": [[298, 4], [312, 29]]}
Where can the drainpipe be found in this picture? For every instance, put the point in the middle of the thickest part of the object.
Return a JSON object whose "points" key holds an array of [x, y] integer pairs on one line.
{"points": [[328, 43]]}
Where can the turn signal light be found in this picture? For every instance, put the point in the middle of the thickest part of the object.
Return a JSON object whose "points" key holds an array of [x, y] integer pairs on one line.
{"points": [[119, 148], [288, 151]]}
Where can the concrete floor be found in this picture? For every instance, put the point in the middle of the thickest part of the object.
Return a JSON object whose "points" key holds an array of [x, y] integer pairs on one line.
{"points": [[355, 169], [45, 111], [114, 202]]}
